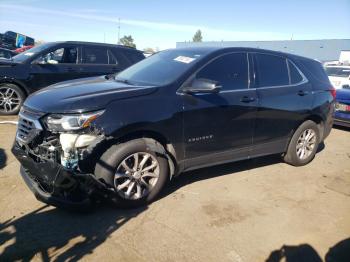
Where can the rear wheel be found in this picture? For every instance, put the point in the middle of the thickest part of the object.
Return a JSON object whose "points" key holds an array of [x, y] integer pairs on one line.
{"points": [[303, 145], [136, 173], [11, 99]]}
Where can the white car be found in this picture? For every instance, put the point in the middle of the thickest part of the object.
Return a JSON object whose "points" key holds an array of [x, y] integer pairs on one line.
{"points": [[339, 75]]}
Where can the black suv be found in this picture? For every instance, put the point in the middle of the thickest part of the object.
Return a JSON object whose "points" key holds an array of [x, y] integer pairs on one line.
{"points": [[177, 110], [55, 62]]}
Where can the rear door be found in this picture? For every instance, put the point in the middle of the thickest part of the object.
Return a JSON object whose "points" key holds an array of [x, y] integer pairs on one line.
{"points": [[218, 127], [285, 99]]}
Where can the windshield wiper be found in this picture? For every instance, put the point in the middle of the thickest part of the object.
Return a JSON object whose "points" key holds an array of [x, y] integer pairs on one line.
{"points": [[125, 81]]}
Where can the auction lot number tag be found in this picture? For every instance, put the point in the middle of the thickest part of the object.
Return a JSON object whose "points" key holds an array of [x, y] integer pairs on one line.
{"points": [[184, 59]]}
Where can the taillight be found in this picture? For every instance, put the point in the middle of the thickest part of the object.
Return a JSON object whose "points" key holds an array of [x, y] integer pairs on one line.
{"points": [[333, 92], [347, 108]]}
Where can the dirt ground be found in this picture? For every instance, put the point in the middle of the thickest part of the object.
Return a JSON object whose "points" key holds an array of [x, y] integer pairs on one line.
{"points": [[257, 210]]}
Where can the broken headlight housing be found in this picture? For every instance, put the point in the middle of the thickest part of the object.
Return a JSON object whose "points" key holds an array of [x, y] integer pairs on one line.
{"points": [[64, 123]]}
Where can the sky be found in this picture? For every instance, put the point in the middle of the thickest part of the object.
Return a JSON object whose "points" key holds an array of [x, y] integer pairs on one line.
{"points": [[160, 24]]}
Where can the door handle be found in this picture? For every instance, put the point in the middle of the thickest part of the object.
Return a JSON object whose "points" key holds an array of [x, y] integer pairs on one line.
{"points": [[247, 99], [302, 93]]}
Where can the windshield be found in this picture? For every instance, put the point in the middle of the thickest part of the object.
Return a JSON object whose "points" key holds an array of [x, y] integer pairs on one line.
{"points": [[30, 52], [338, 71], [162, 68]]}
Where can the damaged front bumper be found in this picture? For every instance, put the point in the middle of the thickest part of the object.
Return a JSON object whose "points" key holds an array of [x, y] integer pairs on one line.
{"points": [[55, 185]]}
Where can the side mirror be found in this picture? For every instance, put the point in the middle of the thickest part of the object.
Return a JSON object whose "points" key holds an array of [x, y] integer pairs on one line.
{"points": [[202, 86]]}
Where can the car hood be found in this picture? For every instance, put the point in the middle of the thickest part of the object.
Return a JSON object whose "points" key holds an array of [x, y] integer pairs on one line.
{"points": [[343, 95], [83, 95]]}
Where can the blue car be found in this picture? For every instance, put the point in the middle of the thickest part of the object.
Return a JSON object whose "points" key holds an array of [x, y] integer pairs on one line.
{"points": [[342, 108]]}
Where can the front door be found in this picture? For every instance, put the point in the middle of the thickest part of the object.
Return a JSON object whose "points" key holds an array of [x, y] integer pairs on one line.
{"points": [[218, 127], [57, 65]]}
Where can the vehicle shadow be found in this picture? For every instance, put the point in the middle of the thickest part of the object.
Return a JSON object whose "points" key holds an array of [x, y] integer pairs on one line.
{"points": [[306, 253], [49, 229], [321, 146], [3, 158], [217, 171], [224, 169], [343, 128]]}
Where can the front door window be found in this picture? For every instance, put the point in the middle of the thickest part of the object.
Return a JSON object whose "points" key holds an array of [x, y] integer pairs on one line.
{"points": [[64, 55]]}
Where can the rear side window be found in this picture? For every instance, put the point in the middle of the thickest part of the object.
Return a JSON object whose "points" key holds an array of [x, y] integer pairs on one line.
{"points": [[295, 76], [95, 55], [272, 70], [230, 71]]}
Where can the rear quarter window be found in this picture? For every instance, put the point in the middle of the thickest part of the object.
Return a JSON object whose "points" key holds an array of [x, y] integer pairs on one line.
{"points": [[120, 58], [133, 56], [295, 76], [315, 69]]}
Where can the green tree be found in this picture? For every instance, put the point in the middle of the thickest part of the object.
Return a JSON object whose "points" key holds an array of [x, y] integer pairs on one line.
{"points": [[198, 36], [127, 40]]}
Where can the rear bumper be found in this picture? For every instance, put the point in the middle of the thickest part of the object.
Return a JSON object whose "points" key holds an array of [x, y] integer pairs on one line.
{"points": [[342, 119], [54, 185], [341, 122]]}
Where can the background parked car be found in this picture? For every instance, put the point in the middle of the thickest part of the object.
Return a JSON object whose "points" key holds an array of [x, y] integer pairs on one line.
{"points": [[6, 53], [24, 48], [56, 62], [339, 75], [342, 108]]}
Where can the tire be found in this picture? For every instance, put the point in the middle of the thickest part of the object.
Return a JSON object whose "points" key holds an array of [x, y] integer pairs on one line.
{"points": [[295, 156], [111, 162], [11, 99]]}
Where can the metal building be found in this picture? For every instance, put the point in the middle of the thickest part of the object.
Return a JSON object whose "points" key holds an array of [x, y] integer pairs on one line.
{"points": [[322, 50]]}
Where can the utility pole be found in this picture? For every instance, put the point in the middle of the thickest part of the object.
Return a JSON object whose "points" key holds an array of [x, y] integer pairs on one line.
{"points": [[118, 30]]}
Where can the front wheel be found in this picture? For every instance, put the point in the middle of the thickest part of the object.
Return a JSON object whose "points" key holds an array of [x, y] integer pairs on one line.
{"points": [[136, 173], [303, 145], [11, 99]]}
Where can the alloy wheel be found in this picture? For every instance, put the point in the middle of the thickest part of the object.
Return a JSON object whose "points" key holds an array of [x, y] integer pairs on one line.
{"points": [[136, 175], [10, 99], [306, 143]]}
